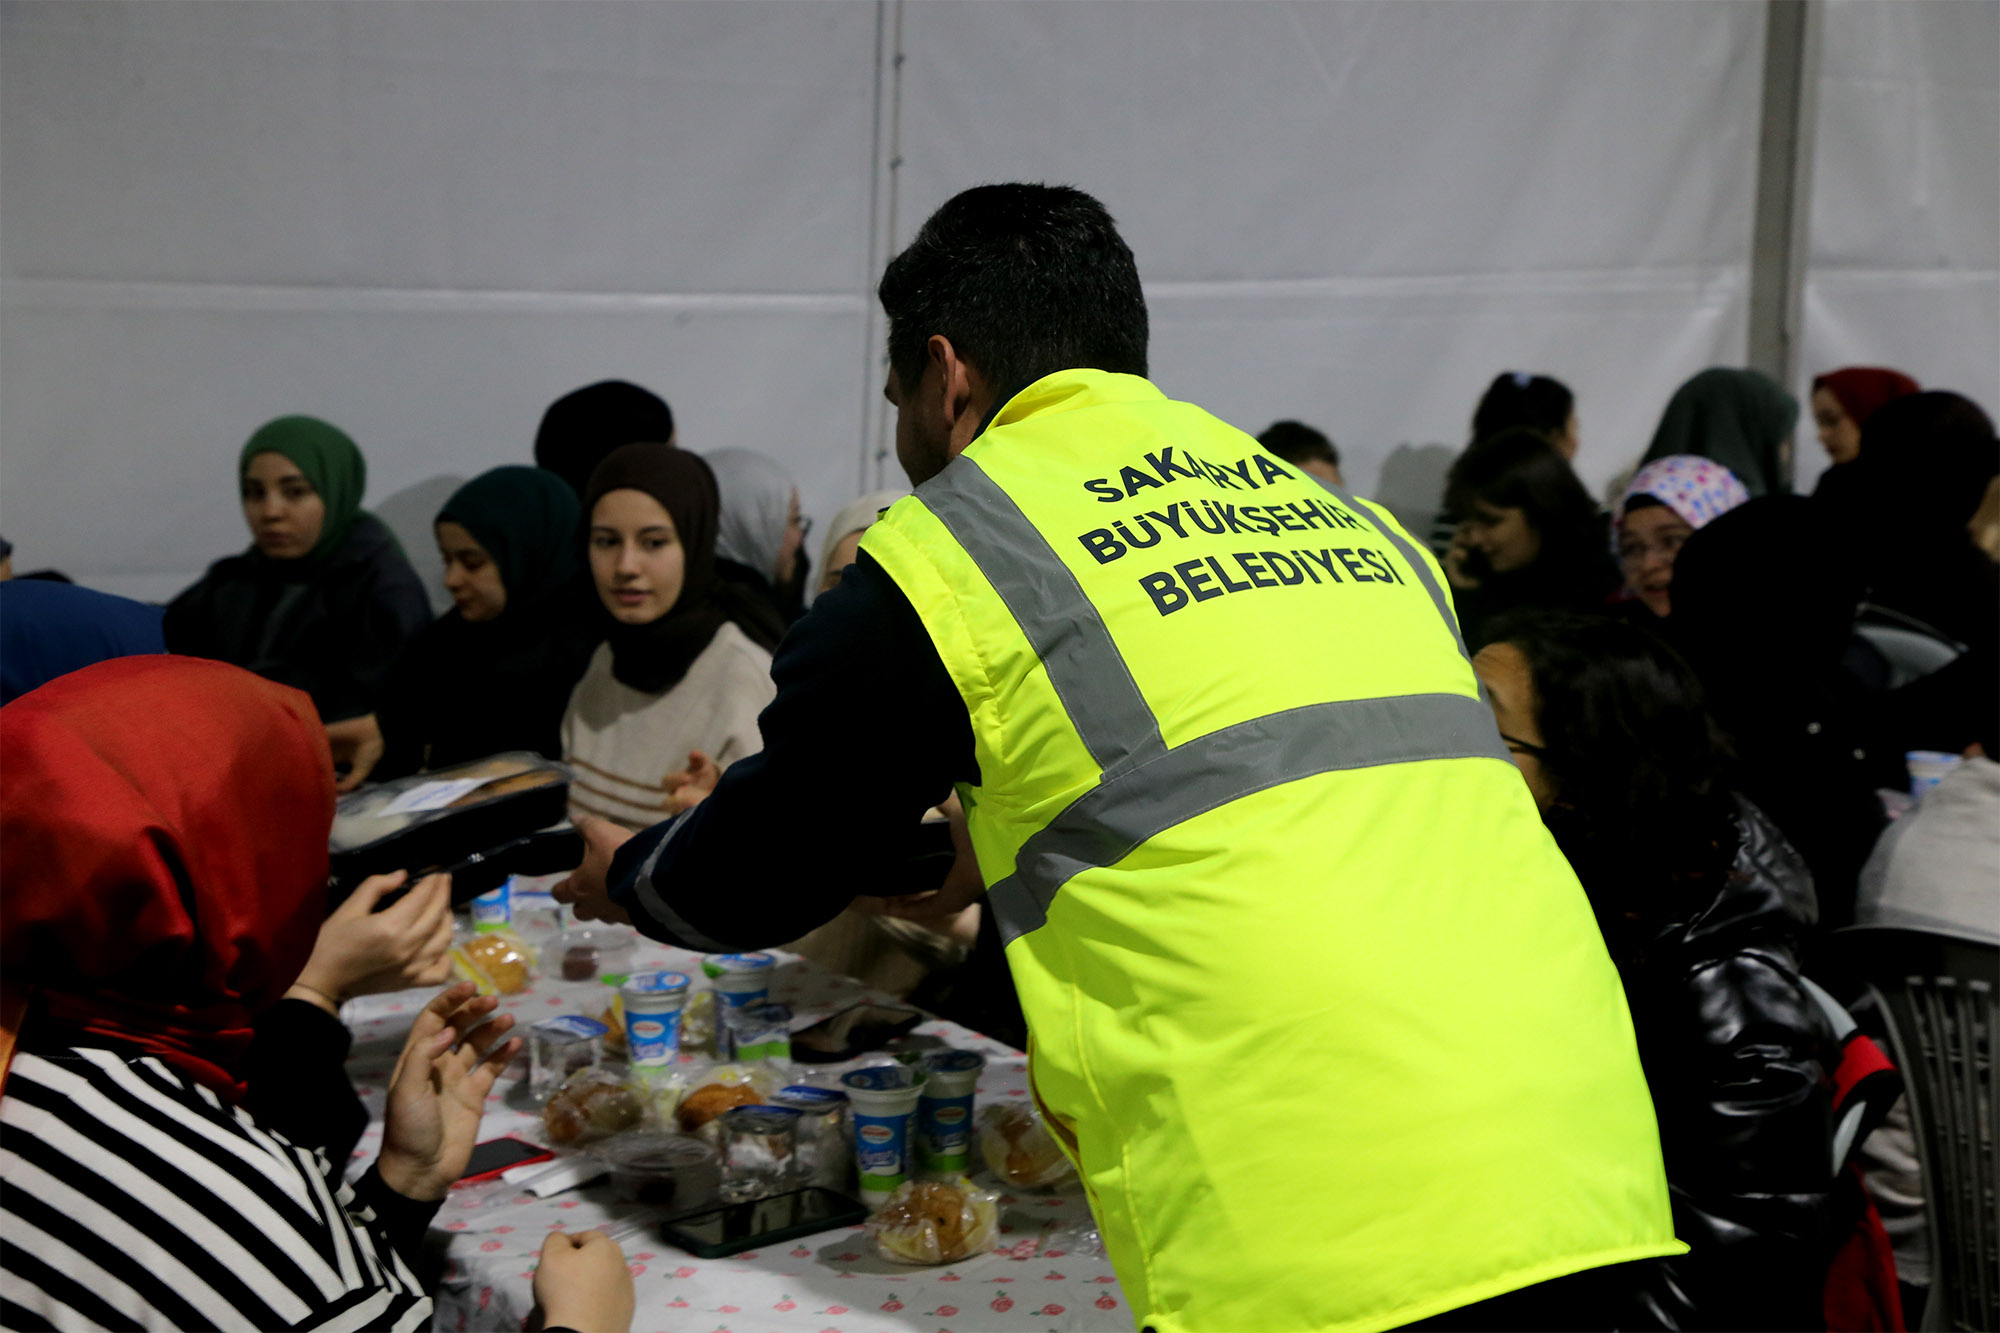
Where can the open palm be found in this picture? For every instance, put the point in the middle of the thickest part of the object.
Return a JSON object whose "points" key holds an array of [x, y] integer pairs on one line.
{"points": [[438, 1092]]}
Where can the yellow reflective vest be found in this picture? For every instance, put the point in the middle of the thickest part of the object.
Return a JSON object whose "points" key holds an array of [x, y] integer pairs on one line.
{"points": [[1320, 1009]]}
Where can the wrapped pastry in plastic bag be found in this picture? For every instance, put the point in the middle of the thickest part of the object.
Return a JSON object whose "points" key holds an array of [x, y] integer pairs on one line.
{"points": [[1019, 1149], [499, 960], [936, 1222], [715, 1090], [592, 1103], [661, 1088]]}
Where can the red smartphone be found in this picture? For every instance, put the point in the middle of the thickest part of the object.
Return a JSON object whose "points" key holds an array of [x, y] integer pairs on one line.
{"points": [[492, 1157]]}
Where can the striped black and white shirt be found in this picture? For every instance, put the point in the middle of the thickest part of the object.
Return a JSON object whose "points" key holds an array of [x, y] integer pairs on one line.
{"points": [[133, 1197]]}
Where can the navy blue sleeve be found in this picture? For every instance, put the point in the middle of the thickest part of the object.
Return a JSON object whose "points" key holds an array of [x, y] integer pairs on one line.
{"points": [[866, 733]]}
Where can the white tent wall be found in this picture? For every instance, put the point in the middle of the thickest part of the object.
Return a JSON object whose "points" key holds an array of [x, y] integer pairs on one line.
{"points": [[422, 222], [1905, 252], [1357, 214], [425, 221]]}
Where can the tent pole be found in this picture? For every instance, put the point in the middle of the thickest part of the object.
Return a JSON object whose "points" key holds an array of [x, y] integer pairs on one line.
{"points": [[1779, 235]]}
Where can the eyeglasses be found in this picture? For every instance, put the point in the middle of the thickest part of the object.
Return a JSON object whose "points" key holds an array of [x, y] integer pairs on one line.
{"points": [[1667, 547]]}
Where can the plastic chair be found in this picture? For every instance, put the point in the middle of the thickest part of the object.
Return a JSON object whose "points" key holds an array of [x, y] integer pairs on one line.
{"points": [[1941, 997], [1911, 648]]}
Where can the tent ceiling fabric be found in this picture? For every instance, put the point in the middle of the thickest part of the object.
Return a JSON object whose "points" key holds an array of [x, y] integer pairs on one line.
{"points": [[425, 222]]}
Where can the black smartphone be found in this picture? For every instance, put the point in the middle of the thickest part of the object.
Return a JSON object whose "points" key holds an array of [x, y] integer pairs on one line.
{"points": [[735, 1227], [865, 1027], [492, 1157]]}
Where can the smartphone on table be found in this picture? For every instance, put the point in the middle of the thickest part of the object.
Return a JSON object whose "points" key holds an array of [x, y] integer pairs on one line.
{"points": [[494, 1156], [732, 1228]]}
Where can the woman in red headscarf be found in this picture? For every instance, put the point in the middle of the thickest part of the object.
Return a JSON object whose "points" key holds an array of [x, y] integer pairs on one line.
{"points": [[1843, 400], [165, 823]]}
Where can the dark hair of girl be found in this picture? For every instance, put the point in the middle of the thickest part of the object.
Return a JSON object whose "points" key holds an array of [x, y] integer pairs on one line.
{"points": [[1520, 469], [1641, 809], [1518, 400]]}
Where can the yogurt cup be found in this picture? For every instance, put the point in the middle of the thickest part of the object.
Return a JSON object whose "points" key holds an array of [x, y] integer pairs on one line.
{"points": [[944, 1111], [740, 978], [494, 909], [883, 1099], [652, 1002], [1928, 768]]}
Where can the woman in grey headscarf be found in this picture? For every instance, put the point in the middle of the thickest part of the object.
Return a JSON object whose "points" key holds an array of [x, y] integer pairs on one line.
{"points": [[760, 559], [1740, 418]]}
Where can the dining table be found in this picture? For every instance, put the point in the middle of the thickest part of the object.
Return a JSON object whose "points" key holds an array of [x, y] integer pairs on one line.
{"points": [[1048, 1271]]}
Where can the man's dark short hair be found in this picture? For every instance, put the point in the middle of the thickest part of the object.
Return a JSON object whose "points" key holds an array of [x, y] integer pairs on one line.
{"points": [[1296, 442], [1025, 280]]}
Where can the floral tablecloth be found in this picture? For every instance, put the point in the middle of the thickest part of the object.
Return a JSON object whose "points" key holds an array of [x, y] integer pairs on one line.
{"points": [[829, 1283]]}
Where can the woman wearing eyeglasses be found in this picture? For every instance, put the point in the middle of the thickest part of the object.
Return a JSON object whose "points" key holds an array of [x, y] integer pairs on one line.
{"points": [[1663, 505], [1702, 903]]}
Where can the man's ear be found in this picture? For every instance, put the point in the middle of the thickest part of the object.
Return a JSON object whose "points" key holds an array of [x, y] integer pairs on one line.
{"points": [[963, 395]]}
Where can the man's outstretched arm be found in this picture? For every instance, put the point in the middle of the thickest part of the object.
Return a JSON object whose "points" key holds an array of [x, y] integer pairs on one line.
{"points": [[866, 733]]}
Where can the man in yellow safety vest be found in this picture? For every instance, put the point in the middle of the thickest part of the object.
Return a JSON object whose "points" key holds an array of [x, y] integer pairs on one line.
{"points": [[1315, 1004]]}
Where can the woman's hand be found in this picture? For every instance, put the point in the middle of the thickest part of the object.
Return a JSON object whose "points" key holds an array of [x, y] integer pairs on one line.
{"points": [[361, 951], [688, 786], [1454, 562], [438, 1092], [582, 1283], [356, 742]]}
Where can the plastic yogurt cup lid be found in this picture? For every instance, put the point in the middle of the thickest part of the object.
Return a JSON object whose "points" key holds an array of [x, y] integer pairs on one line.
{"points": [[653, 983], [743, 962], [571, 1025], [882, 1078], [808, 1098], [760, 1119], [953, 1062]]}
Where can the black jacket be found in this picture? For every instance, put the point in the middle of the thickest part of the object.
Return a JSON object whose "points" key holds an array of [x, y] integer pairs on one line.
{"points": [[1733, 1049], [332, 628]]}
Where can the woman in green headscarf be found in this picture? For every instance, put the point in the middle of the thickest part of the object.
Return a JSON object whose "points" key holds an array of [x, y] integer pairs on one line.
{"points": [[324, 599], [495, 672], [1742, 419]]}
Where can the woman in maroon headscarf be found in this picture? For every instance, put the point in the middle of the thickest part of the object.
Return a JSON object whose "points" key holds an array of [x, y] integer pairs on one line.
{"points": [[1844, 399], [165, 823]]}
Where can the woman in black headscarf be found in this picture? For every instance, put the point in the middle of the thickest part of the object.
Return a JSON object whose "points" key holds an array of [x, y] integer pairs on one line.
{"points": [[493, 673], [324, 600], [1764, 603], [675, 679], [584, 425], [1926, 462]]}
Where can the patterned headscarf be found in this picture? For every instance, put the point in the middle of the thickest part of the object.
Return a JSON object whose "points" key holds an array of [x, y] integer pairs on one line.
{"points": [[1698, 489]]}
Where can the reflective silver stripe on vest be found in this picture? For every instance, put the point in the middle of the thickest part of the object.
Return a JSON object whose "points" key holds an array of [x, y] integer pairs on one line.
{"points": [[1416, 562], [1104, 825], [653, 903], [1084, 665]]}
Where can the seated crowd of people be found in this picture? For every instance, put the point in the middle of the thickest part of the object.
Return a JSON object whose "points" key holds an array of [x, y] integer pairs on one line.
{"points": [[1687, 676]]}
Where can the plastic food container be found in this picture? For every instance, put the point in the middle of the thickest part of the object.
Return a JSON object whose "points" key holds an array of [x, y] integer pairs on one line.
{"points": [[652, 1002], [656, 1168], [825, 1134], [760, 1152], [756, 1032], [591, 953], [558, 1047], [884, 1101], [944, 1111]]}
